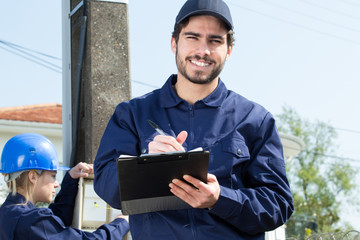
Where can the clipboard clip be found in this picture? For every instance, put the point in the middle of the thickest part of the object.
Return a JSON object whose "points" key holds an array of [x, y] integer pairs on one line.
{"points": [[162, 157]]}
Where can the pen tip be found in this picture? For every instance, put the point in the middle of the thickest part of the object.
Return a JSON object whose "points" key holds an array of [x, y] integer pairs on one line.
{"points": [[152, 124]]}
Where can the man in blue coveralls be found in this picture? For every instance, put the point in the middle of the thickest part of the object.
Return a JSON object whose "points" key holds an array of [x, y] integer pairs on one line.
{"points": [[247, 192]]}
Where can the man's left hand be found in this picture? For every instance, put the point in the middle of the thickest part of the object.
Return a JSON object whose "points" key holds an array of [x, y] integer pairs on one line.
{"points": [[200, 195]]}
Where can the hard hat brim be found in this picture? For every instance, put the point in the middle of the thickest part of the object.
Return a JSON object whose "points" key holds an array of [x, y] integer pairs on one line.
{"points": [[63, 168]]}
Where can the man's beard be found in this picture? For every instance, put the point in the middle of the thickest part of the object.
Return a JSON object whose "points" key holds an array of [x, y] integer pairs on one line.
{"points": [[198, 77]]}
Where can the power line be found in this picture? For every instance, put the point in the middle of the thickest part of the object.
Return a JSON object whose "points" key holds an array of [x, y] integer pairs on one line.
{"points": [[336, 157], [350, 3], [296, 24], [335, 128], [22, 52], [330, 9], [310, 16], [347, 130], [328, 155], [145, 84], [30, 50], [18, 48], [31, 60]]}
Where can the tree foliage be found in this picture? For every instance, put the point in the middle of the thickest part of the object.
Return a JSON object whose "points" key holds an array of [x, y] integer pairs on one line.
{"points": [[319, 180]]}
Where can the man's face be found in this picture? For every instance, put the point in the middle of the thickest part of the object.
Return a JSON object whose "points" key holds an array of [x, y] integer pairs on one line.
{"points": [[201, 50]]}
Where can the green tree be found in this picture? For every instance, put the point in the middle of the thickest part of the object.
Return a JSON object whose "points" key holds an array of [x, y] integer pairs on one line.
{"points": [[319, 181]]}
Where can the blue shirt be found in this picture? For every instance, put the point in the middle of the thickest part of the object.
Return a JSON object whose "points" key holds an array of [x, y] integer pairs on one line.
{"points": [[26, 221], [245, 155]]}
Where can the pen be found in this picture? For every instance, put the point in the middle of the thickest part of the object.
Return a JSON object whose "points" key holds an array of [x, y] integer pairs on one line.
{"points": [[156, 127]]}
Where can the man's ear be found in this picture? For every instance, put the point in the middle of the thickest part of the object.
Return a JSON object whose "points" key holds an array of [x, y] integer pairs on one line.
{"points": [[173, 45], [33, 176], [229, 52]]}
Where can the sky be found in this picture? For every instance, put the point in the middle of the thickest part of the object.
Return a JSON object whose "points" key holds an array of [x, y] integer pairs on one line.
{"points": [[300, 53]]}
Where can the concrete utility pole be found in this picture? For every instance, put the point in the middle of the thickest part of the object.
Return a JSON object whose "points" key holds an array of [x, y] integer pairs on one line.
{"points": [[99, 33]]}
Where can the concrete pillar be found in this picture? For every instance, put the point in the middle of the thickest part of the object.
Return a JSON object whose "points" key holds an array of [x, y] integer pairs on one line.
{"points": [[105, 70]]}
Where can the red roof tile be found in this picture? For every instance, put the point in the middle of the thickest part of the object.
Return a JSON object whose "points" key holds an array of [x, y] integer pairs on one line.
{"points": [[45, 113]]}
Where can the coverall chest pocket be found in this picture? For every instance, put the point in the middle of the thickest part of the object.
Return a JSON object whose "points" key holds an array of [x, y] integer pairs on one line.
{"points": [[228, 155]]}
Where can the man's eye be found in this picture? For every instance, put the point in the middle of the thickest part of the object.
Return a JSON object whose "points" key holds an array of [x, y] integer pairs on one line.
{"points": [[215, 41]]}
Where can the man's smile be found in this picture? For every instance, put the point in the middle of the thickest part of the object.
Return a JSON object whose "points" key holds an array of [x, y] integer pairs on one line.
{"points": [[200, 64]]}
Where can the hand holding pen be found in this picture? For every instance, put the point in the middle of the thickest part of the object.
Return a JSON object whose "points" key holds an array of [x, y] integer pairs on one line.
{"points": [[165, 143], [157, 128]]}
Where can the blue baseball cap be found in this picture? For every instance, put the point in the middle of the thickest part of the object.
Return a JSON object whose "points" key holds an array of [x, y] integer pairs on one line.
{"points": [[216, 8]]}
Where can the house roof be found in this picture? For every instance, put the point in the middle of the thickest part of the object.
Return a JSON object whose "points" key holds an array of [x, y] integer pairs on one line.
{"points": [[45, 113]]}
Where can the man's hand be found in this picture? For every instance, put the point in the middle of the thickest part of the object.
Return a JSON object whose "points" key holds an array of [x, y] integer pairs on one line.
{"points": [[163, 143], [201, 196], [81, 170]]}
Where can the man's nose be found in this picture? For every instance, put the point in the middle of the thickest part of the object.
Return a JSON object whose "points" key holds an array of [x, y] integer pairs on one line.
{"points": [[203, 48]]}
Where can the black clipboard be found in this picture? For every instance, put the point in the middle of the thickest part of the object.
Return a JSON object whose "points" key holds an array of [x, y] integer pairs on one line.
{"points": [[144, 180]]}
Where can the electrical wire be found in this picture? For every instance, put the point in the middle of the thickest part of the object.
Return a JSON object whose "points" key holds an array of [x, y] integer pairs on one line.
{"points": [[16, 47], [327, 155], [145, 84], [296, 24], [310, 16], [30, 50], [350, 3], [329, 9], [337, 157], [22, 52], [335, 128], [31, 60], [31, 55], [347, 130]]}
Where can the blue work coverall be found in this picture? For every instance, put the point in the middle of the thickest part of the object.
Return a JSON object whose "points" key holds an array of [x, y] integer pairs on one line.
{"points": [[246, 156], [19, 221]]}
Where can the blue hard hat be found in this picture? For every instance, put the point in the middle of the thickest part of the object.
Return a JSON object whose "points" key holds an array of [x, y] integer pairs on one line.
{"points": [[29, 151]]}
